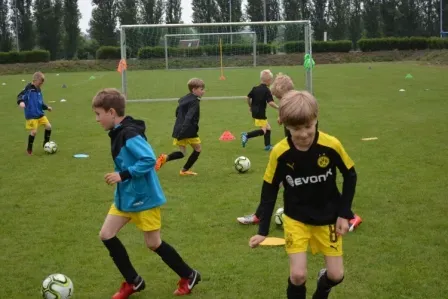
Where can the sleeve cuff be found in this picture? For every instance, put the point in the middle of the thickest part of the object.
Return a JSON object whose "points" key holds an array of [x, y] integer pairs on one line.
{"points": [[124, 175], [346, 214]]}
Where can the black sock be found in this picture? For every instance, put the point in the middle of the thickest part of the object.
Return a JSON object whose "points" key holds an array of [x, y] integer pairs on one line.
{"points": [[170, 256], [175, 156], [47, 136], [30, 142], [193, 158], [324, 286], [255, 133], [120, 257], [295, 291], [267, 138]]}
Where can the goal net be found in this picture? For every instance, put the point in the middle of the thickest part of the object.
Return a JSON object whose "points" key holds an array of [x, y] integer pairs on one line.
{"points": [[161, 58]]}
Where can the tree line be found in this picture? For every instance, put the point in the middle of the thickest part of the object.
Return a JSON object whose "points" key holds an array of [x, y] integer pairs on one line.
{"points": [[53, 25]]}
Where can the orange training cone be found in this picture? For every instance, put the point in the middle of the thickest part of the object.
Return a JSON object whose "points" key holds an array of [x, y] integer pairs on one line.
{"points": [[227, 136], [355, 222]]}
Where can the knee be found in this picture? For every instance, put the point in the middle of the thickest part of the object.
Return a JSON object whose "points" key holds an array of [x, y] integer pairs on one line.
{"points": [[48, 126], [335, 275], [33, 132], [106, 235], [153, 243], [198, 148], [298, 277]]}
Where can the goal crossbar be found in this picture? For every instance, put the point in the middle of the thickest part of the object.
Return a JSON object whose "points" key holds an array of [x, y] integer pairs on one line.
{"points": [[307, 39]]}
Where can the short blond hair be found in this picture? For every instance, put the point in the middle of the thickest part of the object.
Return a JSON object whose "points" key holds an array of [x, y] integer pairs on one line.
{"points": [[110, 98], [195, 83], [281, 85], [37, 76], [266, 76], [298, 108]]}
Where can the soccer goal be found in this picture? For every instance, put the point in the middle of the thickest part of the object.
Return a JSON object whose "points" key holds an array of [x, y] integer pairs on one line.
{"points": [[160, 58]]}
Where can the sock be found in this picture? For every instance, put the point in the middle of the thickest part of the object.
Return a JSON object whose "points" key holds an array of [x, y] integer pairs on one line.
{"points": [[267, 138], [255, 133], [120, 257], [324, 286], [170, 256], [30, 142], [193, 158], [174, 156], [47, 136], [295, 291]]}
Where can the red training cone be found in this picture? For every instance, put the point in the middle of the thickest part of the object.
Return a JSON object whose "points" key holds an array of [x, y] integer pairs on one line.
{"points": [[355, 222], [227, 136]]}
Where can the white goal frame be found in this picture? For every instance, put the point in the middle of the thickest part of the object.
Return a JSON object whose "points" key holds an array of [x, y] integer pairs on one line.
{"points": [[253, 33], [307, 42]]}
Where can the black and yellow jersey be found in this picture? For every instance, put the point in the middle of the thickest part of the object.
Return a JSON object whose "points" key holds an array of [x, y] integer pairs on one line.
{"points": [[310, 193]]}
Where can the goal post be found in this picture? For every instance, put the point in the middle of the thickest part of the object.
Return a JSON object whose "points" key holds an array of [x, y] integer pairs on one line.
{"points": [[152, 52], [186, 41]]}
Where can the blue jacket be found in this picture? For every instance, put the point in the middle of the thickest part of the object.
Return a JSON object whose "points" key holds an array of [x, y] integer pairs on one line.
{"points": [[34, 102], [134, 160]]}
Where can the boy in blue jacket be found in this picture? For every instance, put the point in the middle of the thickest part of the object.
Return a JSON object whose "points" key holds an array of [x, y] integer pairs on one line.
{"points": [[138, 195], [30, 99]]}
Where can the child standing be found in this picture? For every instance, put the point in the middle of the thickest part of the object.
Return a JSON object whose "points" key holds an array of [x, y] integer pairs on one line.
{"points": [[138, 196]]}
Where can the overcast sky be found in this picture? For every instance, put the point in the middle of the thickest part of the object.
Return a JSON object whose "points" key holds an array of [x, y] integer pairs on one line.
{"points": [[85, 7]]}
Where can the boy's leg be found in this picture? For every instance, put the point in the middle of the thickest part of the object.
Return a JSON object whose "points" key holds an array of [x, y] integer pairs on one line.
{"points": [[329, 277], [191, 160], [163, 158], [326, 240], [267, 137], [47, 133], [297, 277], [31, 141], [112, 225]]}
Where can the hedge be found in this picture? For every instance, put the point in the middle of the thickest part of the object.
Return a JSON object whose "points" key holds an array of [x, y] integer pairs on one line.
{"points": [[24, 56], [319, 46], [402, 43]]}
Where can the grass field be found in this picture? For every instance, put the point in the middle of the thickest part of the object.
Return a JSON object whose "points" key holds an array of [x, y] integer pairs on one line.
{"points": [[53, 206]]}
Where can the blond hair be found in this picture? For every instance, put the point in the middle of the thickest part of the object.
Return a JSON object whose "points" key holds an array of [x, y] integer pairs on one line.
{"points": [[195, 83], [281, 85], [37, 76], [110, 98], [266, 76], [298, 108]]}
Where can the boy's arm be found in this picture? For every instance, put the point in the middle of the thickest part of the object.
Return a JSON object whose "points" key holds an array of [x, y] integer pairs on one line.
{"points": [[347, 168], [270, 101], [269, 193], [250, 97], [142, 151], [22, 94]]}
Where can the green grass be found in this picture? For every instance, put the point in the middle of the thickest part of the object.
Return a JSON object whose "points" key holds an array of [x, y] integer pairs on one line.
{"points": [[53, 206]]}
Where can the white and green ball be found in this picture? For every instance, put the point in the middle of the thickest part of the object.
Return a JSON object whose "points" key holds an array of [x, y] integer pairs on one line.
{"points": [[242, 164], [278, 217], [57, 286]]}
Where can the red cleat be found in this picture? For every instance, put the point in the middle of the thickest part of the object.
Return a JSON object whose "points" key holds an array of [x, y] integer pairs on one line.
{"points": [[128, 289], [185, 285]]}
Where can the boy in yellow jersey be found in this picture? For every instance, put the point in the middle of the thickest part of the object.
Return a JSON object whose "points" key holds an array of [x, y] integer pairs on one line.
{"points": [[316, 213], [185, 131], [258, 98]]}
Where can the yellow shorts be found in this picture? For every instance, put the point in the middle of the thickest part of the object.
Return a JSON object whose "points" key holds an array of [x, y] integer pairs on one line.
{"points": [[148, 220], [186, 141], [320, 238], [33, 124], [261, 123]]}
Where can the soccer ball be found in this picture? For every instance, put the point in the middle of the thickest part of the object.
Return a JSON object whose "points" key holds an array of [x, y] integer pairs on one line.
{"points": [[50, 147], [242, 164], [278, 218], [57, 286]]}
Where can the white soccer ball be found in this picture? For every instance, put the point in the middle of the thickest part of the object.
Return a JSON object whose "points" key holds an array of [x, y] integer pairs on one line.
{"points": [[242, 164], [278, 218], [50, 147], [57, 286]]}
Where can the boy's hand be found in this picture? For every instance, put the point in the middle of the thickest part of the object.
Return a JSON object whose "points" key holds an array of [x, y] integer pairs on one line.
{"points": [[342, 226], [256, 240], [112, 178], [49, 108], [22, 105], [279, 121]]}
